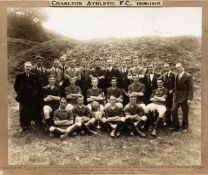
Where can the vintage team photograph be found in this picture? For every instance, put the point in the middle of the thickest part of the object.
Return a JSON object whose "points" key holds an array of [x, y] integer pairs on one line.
{"points": [[104, 86]]}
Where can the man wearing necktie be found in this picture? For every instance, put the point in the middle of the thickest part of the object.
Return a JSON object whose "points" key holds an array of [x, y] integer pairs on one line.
{"points": [[26, 86], [169, 83], [150, 82], [183, 96], [123, 81]]}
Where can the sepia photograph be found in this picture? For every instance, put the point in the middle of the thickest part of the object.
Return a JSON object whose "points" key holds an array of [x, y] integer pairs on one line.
{"points": [[104, 86]]}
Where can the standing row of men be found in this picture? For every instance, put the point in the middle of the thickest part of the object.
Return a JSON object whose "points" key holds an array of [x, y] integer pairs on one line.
{"points": [[38, 93]]}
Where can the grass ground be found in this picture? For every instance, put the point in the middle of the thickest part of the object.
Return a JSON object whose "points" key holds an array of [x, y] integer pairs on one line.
{"points": [[169, 148]]}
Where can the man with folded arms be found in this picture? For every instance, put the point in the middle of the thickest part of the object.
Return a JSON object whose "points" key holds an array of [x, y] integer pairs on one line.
{"points": [[138, 90], [51, 97], [113, 120], [72, 92], [134, 116], [116, 92], [158, 103], [95, 98], [66, 123], [83, 112]]}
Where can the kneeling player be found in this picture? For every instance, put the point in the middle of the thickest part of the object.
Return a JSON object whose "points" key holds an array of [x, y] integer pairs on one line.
{"points": [[113, 120], [65, 123], [135, 116], [158, 99]]}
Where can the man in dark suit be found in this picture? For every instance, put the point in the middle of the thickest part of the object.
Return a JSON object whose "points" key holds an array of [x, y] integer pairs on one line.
{"points": [[150, 83], [63, 68], [123, 81], [169, 83], [111, 72], [26, 86], [84, 83], [42, 74], [183, 95]]}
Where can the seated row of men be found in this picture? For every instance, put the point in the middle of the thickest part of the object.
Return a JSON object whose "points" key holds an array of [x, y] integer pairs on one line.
{"points": [[110, 114]]}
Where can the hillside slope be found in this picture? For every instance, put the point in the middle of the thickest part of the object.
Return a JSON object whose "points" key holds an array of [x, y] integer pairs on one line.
{"points": [[186, 49]]}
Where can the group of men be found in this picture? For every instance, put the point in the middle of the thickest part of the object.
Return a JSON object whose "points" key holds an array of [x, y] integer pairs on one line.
{"points": [[69, 100]]}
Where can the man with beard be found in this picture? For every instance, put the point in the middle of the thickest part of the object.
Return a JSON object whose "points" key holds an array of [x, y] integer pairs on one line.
{"points": [[26, 86]]}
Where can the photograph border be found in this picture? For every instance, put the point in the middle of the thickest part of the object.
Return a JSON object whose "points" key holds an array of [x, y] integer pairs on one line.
{"points": [[66, 169]]}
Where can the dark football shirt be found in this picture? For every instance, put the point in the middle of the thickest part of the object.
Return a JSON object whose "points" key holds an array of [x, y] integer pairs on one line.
{"points": [[82, 111], [112, 112], [47, 90], [137, 87], [73, 90], [159, 92], [133, 110], [117, 92]]}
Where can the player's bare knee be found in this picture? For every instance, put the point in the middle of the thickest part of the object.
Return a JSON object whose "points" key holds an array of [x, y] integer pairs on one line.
{"points": [[144, 118], [52, 128], [103, 120]]}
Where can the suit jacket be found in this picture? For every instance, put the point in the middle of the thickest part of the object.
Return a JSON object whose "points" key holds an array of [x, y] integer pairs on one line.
{"points": [[183, 88], [26, 87], [41, 74], [169, 81], [150, 85], [123, 81], [72, 72], [109, 74], [58, 73], [84, 83]]}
